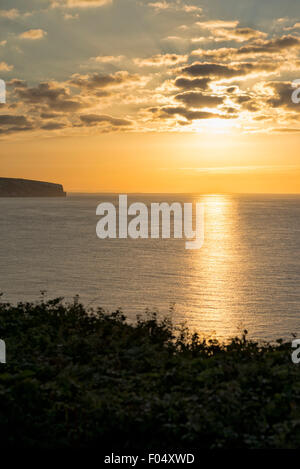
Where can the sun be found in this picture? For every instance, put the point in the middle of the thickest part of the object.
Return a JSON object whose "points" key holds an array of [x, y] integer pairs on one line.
{"points": [[216, 125]]}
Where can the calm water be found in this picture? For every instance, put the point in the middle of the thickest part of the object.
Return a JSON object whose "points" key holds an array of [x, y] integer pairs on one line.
{"points": [[247, 275]]}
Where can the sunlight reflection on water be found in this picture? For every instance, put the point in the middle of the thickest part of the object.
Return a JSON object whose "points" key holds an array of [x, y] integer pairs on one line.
{"points": [[247, 274]]}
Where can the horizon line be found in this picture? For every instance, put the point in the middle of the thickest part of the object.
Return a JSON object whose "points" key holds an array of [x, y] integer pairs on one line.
{"points": [[180, 193]]}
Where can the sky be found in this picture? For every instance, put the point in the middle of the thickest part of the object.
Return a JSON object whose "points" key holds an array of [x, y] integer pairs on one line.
{"points": [[152, 96]]}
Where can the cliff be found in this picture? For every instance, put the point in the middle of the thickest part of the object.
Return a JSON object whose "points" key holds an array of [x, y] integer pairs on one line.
{"points": [[10, 187]]}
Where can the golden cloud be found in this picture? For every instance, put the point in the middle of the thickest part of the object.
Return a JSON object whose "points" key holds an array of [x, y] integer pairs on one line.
{"points": [[160, 60], [4, 67], [33, 34], [9, 14], [80, 3], [105, 59]]}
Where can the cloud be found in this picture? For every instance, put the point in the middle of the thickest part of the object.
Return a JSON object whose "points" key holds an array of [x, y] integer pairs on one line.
{"points": [[52, 96], [241, 99], [54, 106], [296, 25], [282, 96], [15, 83], [168, 86], [187, 84], [14, 13], [222, 53], [10, 14], [257, 48], [214, 24], [160, 5], [4, 67], [95, 119], [191, 9], [250, 104], [170, 111], [80, 3], [49, 115], [164, 5], [103, 59], [33, 34], [97, 81], [6, 119], [271, 46], [53, 126], [160, 60], [239, 34], [286, 130], [212, 70], [14, 123], [198, 99], [229, 31], [70, 16], [217, 70], [175, 39]]}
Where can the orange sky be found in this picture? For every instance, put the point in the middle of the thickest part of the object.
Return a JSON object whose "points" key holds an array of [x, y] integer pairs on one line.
{"points": [[160, 163], [151, 96]]}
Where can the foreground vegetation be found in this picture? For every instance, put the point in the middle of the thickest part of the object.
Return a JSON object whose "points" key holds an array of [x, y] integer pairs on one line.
{"points": [[78, 379]]}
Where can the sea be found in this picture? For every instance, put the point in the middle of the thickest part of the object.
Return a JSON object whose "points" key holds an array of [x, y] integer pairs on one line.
{"points": [[245, 276]]}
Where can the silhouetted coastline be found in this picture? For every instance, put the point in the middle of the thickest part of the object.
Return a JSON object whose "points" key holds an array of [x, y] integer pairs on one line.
{"points": [[11, 187]]}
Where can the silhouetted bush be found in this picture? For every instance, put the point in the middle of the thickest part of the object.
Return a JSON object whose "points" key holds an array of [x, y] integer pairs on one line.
{"points": [[77, 378]]}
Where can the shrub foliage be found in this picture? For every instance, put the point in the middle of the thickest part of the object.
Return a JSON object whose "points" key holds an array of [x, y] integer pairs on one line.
{"points": [[77, 378]]}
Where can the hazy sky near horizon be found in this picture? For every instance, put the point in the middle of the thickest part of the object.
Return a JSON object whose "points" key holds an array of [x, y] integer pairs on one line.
{"points": [[146, 95]]}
